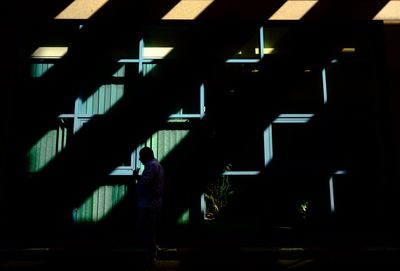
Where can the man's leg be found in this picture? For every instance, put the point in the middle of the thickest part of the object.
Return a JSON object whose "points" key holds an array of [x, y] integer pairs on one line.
{"points": [[147, 220]]}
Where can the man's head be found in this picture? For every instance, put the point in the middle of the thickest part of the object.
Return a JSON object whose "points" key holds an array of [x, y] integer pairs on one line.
{"points": [[146, 154]]}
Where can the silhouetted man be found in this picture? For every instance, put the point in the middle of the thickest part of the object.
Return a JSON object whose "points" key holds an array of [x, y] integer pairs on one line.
{"points": [[149, 193]]}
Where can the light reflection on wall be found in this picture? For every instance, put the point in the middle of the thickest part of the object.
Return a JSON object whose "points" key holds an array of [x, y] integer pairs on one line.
{"points": [[156, 52], [96, 207], [184, 218], [39, 69], [267, 51], [46, 149], [164, 141], [103, 99]]}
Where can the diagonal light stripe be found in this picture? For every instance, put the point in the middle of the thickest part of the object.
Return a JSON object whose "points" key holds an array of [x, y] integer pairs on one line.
{"points": [[156, 52], [81, 9], [187, 10], [293, 10], [266, 51], [391, 11]]}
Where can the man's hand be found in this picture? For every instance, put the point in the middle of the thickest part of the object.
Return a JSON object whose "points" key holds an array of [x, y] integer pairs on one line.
{"points": [[135, 173]]}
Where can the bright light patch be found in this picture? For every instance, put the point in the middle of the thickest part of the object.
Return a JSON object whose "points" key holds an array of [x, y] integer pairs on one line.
{"points": [[49, 52], [164, 141], [293, 118], [348, 50], [120, 72], [147, 68], [184, 218], [331, 195], [240, 173], [81, 9], [187, 10], [266, 51], [43, 151], [268, 150], [38, 69], [390, 13], [293, 10], [324, 86], [203, 206], [156, 52], [98, 206], [105, 97]]}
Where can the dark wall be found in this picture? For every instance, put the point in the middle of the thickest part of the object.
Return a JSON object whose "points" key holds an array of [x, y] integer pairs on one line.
{"points": [[356, 131]]}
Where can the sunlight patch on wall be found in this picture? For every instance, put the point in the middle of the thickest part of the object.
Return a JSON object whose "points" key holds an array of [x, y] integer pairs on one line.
{"points": [[324, 86], [293, 118], [38, 69], [268, 146], [81, 9], [390, 13], [99, 204], [266, 51], [156, 52], [293, 10], [120, 72], [105, 97], [187, 10], [184, 218], [147, 68], [46, 149], [164, 141], [49, 52]]}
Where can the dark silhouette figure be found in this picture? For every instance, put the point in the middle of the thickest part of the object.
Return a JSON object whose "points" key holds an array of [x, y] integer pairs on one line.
{"points": [[149, 194]]}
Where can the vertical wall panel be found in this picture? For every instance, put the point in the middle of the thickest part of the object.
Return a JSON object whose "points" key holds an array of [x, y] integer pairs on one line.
{"points": [[96, 102], [107, 98], [101, 100]]}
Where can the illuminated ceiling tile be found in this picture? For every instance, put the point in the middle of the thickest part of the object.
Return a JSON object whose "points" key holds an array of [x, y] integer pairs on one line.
{"points": [[156, 52], [266, 51], [49, 52], [187, 9], [293, 10], [81, 9], [390, 12]]}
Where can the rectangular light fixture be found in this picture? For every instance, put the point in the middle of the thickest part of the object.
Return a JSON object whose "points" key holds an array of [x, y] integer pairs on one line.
{"points": [[187, 10], [81, 9], [49, 52], [293, 10]]}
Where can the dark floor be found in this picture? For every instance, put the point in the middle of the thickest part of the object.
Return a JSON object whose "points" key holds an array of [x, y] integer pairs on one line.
{"points": [[283, 248], [243, 258]]}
